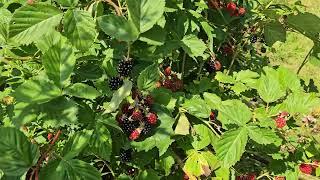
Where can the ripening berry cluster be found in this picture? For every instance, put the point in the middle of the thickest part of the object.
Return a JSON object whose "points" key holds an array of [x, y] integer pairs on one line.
{"points": [[250, 176], [234, 10], [170, 80], [137, 119], [124, 70]]}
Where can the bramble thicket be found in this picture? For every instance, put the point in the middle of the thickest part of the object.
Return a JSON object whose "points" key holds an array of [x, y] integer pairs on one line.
{"points": [[155, 89]]}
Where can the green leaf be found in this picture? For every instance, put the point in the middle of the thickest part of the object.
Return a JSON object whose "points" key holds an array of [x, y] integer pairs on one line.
{"points": [[223, 173], [162, 137], [193, 45], [148, 174], [183, 125], [202, 136], [269, 86], [314, 58], [300, 102], [273, 32], [59, 62], [166, 162], [212, 100], [234, 112], [148, 78], [247, 77], [289, 79], [30, 22], [118, 27], [231, 146], [222, 77], [24, 113], [76, 144], [36, 90], [58, 112], [72, 3], [17, 152], [306, 23], [79, 28], [197, 107], [155, 36], [118, 97], [48, 40], [101, 142], [69, 169], [195, 164], [144, 13], [82, 91], [264, 135], [4, 24]]}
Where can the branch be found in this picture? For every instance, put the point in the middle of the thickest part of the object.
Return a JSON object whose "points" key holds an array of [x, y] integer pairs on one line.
{"points": [[118, 10], [304, 62]]}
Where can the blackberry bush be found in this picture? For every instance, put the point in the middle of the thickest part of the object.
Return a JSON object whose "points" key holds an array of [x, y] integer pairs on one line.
{"points": [[156, 89]]}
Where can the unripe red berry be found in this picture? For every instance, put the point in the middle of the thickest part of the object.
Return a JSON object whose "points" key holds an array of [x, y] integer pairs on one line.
{"points": [[305, 168], [212, 116], [137, 115], [217, 65], [167, 71], [280, 122], [280, 178], [134, 135], [231, 7], [50, 135], [149, 100], [242, 11], [152, 118]]}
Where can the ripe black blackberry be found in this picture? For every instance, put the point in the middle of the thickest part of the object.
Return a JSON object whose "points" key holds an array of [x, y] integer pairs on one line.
{"points": [[125, 155], [210, 66], [253, 39], [128, 126], [147, 128], [115, 83], [125, 67], [263, 50]]}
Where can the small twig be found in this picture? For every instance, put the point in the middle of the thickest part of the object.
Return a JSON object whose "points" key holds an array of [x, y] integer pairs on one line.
{"points": [[183, 65], [304, 62], [128, 53], [118, 11], [233, 59]]}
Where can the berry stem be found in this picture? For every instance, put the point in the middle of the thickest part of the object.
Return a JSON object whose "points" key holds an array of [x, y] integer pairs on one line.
{"points": [[118, 11], [183, 65], [128, 53], [304, 62]]}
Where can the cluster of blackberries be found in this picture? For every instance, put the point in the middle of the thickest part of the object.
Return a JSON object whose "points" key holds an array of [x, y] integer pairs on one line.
{"points": [[232, 8], [124, 70], [213, 65], [170, 80], [137, 118]]}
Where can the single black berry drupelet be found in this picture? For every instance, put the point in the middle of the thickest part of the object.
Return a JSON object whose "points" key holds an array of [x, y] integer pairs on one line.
{"points": [[263, 50], [125, 155], [115, 83], [125, 67], [129, 126], [253, 39], [146, 129]]}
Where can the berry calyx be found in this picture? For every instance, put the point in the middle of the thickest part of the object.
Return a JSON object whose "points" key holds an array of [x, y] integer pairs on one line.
{"points": [[49, 136], [242, 11], [125, 67], [134, 135], [152, 118], [167, 71], [231, 7], [115, 83], [137, 115], [125, 155], [281, 122], [283, 114], [305, 168]]}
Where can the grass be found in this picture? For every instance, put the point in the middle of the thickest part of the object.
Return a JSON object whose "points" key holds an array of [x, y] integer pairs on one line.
{"points": [[292, 53]]}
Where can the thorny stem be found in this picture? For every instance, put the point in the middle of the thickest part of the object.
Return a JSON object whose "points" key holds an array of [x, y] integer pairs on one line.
{"points": [[118, 11], [304, 62], [44, 155]]}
